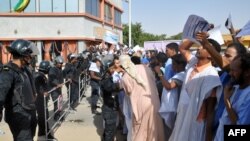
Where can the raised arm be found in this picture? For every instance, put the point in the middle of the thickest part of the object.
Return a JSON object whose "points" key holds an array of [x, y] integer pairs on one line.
{"points": [[184, 48], [164, 82], [222, 62]]}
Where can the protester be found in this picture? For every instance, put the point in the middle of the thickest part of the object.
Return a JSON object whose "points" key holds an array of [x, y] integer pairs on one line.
{"points": [[138, 83], [136, 60], [200, 91], [171, 50], [230, 53], [223, 61], [162, 59], [171, 88], [236, 97], [154, 62], [146, 59]]}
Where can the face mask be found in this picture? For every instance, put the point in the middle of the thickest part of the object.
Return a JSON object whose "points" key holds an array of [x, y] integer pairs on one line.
{"points": [[58, 65]]}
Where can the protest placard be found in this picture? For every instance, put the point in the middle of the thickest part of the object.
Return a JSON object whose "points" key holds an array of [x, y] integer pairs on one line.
{"points": [[216, 35], [193, 25], [245, 30]]}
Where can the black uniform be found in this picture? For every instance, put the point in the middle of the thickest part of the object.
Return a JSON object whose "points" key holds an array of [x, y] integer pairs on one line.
{"points": [[71, 72], [109, 108], [95, 92], [17, 95], [84, 64], [55, 78], [41, 83]]}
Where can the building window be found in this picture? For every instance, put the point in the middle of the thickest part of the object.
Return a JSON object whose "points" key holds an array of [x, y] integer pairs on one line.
{"points": [[31, 7], [71, 5], [9, 6], [13, 3], [4, 6], [118, 20], [45, 5], [108, 13], [93, 7], [58, 6]]}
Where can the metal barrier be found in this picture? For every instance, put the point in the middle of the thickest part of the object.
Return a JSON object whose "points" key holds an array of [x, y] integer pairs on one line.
{"points": [[87, 79], [81, 85], [64, 103], [83, 82]]}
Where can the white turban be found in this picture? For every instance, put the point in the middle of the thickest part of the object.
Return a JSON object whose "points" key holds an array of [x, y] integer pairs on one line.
{"points": [[130, 68]]}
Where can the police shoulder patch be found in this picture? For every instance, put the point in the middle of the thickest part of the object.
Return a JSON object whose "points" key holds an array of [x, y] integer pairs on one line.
{"points": [[6, 68]]}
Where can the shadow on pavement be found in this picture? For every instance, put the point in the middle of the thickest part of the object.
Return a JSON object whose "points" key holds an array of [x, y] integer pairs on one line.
{"points": [[98, 122]]}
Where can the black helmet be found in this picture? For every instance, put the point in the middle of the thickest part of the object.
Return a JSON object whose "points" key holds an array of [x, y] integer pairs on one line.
{"points": [[59, 60], [71, 56], [20, 47], [44, 66], [82, 57]]}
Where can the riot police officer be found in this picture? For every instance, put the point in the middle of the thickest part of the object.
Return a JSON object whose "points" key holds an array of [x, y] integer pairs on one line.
{"points": [[42, 88], [55, 80], [18, 93], [95, 77], [72, 72], [83, 61], [110, 105]]}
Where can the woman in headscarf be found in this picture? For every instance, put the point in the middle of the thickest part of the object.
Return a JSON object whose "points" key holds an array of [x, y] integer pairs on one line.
{"points": [[138, 82]]}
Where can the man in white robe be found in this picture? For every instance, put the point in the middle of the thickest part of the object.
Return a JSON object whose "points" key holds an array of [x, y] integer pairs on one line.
{"points": [[201, 88], [171, 92], [169, 101]]}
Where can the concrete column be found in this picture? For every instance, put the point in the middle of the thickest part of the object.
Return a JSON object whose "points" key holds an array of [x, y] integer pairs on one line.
{"points": [[39, 46], [81, 46], [37, 6]]}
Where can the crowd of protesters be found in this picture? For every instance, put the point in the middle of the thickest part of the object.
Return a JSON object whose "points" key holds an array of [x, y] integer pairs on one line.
{"points": [[179, 94], [174, 95]]}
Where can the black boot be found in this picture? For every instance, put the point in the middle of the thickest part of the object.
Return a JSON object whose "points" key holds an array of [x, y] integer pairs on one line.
{"points": [[56, 116]]}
